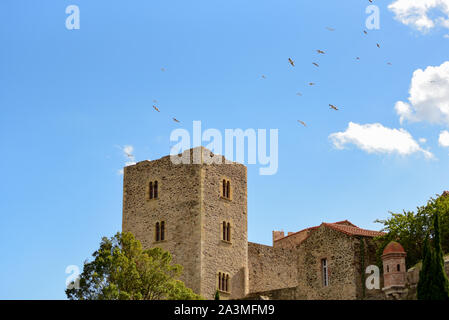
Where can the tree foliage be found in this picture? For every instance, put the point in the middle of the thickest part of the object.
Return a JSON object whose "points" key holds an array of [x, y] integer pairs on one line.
{"points": [[433, 283], [410, 228], [425, 275], [121, 269]]}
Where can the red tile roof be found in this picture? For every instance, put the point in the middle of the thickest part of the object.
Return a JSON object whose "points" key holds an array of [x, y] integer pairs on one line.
{"points": [[346, 222], [344, 226], [393, 247], [354, 231]]}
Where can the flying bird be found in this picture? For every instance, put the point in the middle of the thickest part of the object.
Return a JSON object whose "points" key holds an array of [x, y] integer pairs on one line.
{"points": [[129, 155], [364, 31], [389, 63], [378, 45], [176, 120], [303, 123], [162, 69], [315, 64], [311, 83], [155, 101], [263, 76], [333, 107], [299, 94], [358, 58], [155, 108], [320, 51], [291, 62], [330, 29]]}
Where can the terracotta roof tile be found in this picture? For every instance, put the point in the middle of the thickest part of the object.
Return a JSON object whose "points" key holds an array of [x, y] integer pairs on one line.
{"points": [[341, 226], [393, 247], [354, 231]]}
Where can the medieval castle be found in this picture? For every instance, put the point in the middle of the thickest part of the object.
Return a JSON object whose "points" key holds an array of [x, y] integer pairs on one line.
{"points": [[198, 212]]}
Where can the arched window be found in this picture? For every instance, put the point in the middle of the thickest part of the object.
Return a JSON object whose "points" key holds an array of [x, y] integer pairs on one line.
{"points": [[162, 230], [224, 188], [223, 282], [224, 230], [158, 230], [399, 267], [155, 190], [151, 190], [226, 192]]}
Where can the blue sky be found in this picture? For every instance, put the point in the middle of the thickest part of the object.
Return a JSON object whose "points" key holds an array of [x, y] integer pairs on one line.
{"points": [[70, 98]]}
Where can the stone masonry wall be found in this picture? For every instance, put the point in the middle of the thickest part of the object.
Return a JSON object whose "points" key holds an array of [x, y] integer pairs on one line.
{"points": [[292, 240], [369, 257], [338, 249], [218, 255], [178, 205], [271, 268]]}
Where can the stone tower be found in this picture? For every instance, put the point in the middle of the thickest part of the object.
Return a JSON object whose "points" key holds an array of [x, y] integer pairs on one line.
{"points": [[197, 211], [395, 273]]}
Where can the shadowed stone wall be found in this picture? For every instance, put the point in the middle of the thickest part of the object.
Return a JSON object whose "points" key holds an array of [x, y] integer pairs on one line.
{"points": [[271, 268]]}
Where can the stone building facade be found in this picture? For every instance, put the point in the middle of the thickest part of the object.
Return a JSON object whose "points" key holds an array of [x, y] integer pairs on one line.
{"points": [[197, 210]]}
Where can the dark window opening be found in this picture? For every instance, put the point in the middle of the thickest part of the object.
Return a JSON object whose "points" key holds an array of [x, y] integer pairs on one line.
{"points": [[158, 237], [224, 230], [224, 188], [223, 282], [324, 268], [162, 230], [155, 190]]}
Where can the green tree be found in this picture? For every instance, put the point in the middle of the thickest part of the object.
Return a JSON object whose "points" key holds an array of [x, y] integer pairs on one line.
{"points": [[440, 283], [121, 269], [217, 295], [425, 275], [410, 228]]}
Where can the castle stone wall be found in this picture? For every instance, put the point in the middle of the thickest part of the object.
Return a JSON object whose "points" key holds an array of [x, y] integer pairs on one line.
{"points": [[218, 255], [178, 205], [271, 268], [338, 249], [292, 240]]}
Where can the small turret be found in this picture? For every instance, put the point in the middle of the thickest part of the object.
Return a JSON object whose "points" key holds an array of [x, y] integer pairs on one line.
{"points": [[395, 273]]}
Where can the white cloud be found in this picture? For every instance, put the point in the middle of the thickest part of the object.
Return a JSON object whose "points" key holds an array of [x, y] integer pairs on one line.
{"points": [[128, 154], [375, 138], [443, 140], [422, 15], [422, 140], [429, 96]]}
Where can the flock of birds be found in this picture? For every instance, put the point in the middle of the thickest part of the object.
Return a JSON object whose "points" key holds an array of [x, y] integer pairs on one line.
{"points": [[292, 63], [157, 109]]}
